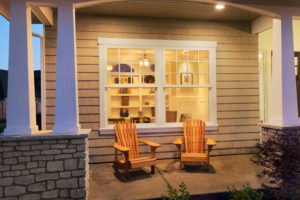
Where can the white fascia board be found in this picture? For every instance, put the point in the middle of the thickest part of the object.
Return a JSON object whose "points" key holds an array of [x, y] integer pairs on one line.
{"points": [[261, 24], [158, 43], [4, 8], [44, 14]]}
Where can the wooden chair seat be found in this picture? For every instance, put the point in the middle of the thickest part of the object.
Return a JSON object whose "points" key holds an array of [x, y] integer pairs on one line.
{"points": [[140, 162], [194, 157], [194, 141], [127, 143]]}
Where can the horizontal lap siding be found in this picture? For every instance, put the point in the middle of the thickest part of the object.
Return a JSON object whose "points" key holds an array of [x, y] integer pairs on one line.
{"points": [[237, 78], [227, 143]]}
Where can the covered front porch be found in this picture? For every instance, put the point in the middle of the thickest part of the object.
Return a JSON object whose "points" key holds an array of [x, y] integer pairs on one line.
{"points": [[65, 60], [223, 172], [75, 87]]}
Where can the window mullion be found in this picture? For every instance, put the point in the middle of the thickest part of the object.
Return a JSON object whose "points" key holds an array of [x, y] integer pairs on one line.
{"points": [[131, 66], [176, 75], [160, 81], [212, 90], [102, 84], [119, 68]]}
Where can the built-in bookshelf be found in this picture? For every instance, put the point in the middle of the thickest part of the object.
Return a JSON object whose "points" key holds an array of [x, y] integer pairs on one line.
{"points": [[132, 102]]}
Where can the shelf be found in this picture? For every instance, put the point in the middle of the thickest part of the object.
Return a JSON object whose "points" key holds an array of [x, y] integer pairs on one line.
{"points": [[121, 95], [124, 106], [184, 61], [145, 95], [137, 98], [127, 117], [112, 118], [127, 74]]}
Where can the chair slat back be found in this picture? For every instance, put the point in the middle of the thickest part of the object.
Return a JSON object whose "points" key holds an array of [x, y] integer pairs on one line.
{"points": [[126, 136], [194, 136]]}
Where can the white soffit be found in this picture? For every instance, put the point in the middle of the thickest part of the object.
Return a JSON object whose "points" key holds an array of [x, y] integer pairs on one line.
{"points": [[170, 9]]}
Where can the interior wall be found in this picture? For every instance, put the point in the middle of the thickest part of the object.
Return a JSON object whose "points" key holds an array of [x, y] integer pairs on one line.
{"points": [[236, 66]]}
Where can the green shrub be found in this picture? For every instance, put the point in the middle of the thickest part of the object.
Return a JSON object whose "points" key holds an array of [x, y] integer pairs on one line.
{"points": [[247, 193], [297, 194], [2, 127], [173, 193]]}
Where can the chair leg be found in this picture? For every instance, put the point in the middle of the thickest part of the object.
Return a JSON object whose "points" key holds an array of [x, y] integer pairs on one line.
{"points": [[181, 165], [127, 171], [152, 169], [208, 164], [115, 166]]}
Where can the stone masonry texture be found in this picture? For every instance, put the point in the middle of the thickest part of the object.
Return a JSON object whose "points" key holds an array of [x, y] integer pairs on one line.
{"points": [[289, 134], [43, 167]]}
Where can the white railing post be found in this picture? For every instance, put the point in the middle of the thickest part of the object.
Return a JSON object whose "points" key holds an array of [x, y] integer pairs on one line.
{"points": [[21, 115], [66, 105], [284, 106]]}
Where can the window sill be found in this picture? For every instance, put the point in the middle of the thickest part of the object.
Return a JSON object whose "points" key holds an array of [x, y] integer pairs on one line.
{"points": [[169, 128]]}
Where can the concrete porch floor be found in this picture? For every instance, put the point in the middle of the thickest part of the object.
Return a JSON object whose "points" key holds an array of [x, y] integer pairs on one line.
{"points": [[224, 171]]}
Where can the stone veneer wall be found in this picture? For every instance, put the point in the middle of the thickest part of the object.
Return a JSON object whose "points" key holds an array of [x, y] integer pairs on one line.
{"points": [[43, 167], [288, 134], [289, 137]]}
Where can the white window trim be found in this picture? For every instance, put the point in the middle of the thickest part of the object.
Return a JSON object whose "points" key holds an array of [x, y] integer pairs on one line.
{"points": [[159, 46]]}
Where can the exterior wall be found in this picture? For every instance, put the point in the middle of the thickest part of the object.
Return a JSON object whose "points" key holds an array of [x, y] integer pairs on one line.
{"points": [[237, 77], [42, 167]]}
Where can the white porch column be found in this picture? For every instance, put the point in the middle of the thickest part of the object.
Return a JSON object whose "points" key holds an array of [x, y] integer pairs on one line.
{"points": [[284, 107], [21, 119], [66, 105]]}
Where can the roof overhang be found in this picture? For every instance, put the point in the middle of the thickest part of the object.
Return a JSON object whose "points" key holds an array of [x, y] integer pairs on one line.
{"points": [[41, 14], [4, 8]]}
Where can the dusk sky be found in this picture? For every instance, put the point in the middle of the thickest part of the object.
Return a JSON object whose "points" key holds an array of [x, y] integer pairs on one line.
{"points": [[4, 43]]}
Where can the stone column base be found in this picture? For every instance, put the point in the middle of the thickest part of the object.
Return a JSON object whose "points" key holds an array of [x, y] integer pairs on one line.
{"points": [[44, 166], [289, 134], [280, 156]]}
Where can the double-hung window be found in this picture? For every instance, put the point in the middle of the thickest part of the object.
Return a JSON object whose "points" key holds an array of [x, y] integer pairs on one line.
{"points": [[157, 84]]}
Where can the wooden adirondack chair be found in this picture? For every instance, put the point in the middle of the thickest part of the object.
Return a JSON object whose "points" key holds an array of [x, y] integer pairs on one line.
{"points": [[127, 143], [194, 140]]}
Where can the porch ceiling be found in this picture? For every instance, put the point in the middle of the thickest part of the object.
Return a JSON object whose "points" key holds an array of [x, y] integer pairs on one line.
{"points": [[170, 9]]}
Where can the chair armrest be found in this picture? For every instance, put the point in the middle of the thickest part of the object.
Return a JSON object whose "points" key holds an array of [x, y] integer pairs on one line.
{"points": [[178, 141], [209, 141], [121, 148], [152, 144]]}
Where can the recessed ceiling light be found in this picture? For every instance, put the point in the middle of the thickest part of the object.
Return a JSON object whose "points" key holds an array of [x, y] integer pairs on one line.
{"points": [[220, 6]]}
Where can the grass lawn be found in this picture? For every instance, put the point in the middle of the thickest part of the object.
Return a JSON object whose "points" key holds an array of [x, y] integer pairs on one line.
{"points": [[2, 127]]}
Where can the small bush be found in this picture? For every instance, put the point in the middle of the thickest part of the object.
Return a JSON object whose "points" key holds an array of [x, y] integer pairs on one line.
{"points": [[173, 193], [247, 193], [2, 127]]}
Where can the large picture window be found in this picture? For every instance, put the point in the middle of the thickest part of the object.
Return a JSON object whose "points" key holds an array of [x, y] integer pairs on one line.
{"points": [[187, 71], [157, 83]]}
